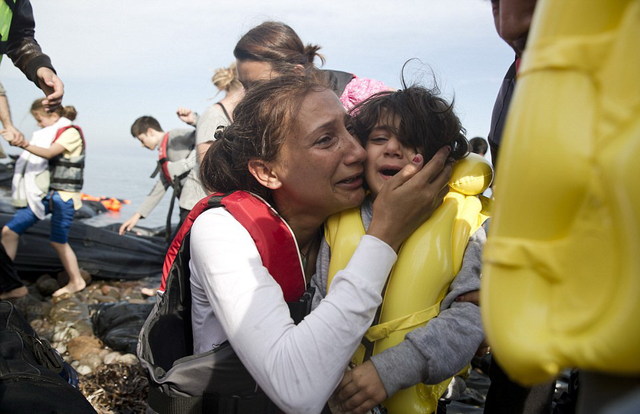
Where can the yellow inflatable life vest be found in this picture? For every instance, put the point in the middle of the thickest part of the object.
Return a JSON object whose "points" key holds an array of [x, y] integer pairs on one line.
{"points": [[422, 274], [562, 262]]}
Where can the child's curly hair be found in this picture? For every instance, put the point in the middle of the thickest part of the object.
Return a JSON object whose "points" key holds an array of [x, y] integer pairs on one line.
{"points": [[418, 116]]}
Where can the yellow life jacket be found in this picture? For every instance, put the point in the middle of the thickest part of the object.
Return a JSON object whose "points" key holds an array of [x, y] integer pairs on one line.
{"points": [[6, 15], [561, 273], [422, 274]]}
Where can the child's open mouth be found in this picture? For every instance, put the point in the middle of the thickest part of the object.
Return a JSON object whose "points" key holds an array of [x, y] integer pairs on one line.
{"points": [[389, 172]]}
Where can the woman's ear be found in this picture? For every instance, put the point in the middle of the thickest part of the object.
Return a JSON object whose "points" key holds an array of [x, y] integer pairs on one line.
{"points": [[264, 174]]}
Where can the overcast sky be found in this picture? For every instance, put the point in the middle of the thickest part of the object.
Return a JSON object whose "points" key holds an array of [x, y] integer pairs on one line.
{"points": [[120, 59]]}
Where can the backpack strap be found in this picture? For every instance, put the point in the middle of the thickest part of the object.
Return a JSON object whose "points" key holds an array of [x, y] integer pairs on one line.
{"points": [[273, 238], [224, 110]]}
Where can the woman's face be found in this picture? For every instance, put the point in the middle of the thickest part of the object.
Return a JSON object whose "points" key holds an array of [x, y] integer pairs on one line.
{"points": [[320, 166], [251, 71]]}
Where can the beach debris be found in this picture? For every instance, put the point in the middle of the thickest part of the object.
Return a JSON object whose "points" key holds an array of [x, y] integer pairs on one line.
{"points": [[116, 388]]}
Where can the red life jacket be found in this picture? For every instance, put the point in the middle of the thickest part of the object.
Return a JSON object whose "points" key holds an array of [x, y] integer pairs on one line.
{"points": [[283, 263], [162, 158], [181, 382], [64, 128]]}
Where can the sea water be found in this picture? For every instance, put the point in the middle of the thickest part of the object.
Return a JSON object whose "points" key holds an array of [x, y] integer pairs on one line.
{"points": [[123, 173], [120, 171]]}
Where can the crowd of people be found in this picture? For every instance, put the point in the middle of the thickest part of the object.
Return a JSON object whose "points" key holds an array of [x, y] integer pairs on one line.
{"points": [[330, 247]]}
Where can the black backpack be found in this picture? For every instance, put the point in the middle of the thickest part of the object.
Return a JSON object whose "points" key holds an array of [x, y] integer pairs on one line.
{"points": [[33, 376]]}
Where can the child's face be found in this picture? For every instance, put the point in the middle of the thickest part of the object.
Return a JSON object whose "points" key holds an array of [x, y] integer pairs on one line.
{"points": [[45, 119], [386, 155]]}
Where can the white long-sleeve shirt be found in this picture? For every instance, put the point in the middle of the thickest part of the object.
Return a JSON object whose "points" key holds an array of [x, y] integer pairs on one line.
{"points": [[235, 298]]}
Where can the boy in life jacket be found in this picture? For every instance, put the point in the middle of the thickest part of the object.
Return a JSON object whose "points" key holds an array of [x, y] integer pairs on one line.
{"points": [[48, 178], [422, 335], [176, 159]]}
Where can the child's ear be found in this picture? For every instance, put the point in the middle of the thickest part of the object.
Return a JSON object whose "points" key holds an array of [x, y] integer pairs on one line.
{"points": [[298, 70], [264, 174]]}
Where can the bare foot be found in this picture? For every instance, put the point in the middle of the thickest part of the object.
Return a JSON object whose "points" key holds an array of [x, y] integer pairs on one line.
{"points": [[15, 293], [71, 288], [148, 291]]}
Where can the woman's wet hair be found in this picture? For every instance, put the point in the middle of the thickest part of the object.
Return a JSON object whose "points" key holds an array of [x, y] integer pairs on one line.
{"points": [[279, 45], [418, 116], [68, 111], [261, 122]]}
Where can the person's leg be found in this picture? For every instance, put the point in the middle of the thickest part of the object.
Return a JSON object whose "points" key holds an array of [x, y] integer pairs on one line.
{"points": [[10, 284], [61, 219], [19, 223], [70, 263], [10, 242]]}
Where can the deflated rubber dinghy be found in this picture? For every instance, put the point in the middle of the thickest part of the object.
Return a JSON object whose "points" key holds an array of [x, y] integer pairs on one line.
{"points": [[101, 251]]}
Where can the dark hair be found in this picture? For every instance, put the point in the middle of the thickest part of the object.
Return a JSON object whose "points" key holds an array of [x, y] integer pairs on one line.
{"points": [[143, 123], [278, 44], [261, 122], [427, 122], [67, 111], [479, 145]]}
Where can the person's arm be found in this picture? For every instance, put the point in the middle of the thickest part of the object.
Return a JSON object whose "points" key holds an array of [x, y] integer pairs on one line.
{"points": [[207, 126], [27, 56], [149, 203], [187, 116], [179, 167], [298, 366], [153, 198], [53, 151], [10, 132]]}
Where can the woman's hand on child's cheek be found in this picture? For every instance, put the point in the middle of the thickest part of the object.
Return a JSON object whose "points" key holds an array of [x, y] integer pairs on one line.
{"points": [[361, 389], [410, 197]]}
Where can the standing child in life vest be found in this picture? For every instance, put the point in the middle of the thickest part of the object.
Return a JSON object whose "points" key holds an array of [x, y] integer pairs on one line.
{"points": [[176, 159], [421, 335], [48, 178]]}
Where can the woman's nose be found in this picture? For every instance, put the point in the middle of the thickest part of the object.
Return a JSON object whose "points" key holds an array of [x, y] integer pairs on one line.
{"points": [[354, 151]]}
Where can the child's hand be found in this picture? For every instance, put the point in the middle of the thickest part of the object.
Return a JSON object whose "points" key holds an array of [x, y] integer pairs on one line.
{"points": [[11, 134], [14, 137], [361, 389]]}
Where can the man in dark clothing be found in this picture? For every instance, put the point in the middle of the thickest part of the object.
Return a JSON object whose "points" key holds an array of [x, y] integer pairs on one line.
{"points": [[512, 19]]}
